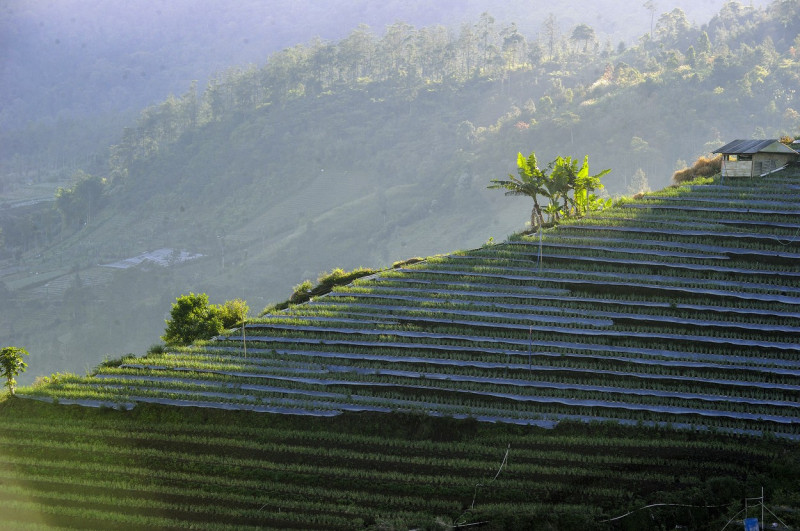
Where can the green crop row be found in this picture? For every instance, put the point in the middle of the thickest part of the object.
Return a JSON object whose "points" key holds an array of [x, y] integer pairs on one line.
{"points": [[272, 471], [473, 395], [635, 323], [625, 347], [716, 342], [558, 307], [439, 295], [517, 380]]}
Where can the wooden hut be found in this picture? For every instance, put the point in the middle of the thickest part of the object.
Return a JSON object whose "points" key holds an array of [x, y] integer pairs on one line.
{"points": [[749, 158]]}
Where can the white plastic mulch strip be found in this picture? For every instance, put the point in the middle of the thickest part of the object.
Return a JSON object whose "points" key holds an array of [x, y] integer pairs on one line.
{"points": [[389, 292], [571, 402], [619, 282], [522, 319], [416, 375], [674, 232], [632, 262], [587, 313], [634, 351], [252, 360], [605, 333], [720, 250], [577, 275]]}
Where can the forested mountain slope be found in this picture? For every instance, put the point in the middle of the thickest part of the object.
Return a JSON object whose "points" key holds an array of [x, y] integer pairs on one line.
{"points": [[77, 58], [368, 150], [83, 68]]}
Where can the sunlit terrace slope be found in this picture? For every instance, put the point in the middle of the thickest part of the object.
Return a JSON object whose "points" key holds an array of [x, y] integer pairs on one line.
{"points": [[681, 307], [678, 309]]}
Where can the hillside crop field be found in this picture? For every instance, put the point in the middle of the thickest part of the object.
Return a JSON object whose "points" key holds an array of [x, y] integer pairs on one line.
{"points": [[172, 468], [369, 145], [646, 354]]}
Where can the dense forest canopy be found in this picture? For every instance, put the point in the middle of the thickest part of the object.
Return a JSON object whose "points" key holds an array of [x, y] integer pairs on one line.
{"points": [[744, 59], [71, 57], [83, 68], [359, 150]]}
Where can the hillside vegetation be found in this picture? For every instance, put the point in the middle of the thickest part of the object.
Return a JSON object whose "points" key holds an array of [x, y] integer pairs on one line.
{"points": [[367, 150], [78, 59], [159, 467], [630, 314], [657, 340]]}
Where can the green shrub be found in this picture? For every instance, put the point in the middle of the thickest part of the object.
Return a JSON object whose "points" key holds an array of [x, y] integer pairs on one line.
{"points": [[409, 261], [192, 319], [326, 282], [54, 378], [156, 349], [233, 312], [115, 362], [340, 277], [301, 292]]}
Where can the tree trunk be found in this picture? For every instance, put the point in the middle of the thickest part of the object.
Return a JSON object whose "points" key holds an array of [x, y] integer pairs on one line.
{"points": [[536, 212]]}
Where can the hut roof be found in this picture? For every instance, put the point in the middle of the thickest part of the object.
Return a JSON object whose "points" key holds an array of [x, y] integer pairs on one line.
{"points": [[771, 145]]}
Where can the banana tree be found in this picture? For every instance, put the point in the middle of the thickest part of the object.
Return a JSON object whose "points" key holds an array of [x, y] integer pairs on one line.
{"points": [[585, 183], [561, 182], [532, 182], [564, 176], [553, 211]]}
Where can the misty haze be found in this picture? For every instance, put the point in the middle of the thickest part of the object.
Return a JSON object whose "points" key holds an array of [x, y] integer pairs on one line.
{"points": [[302, 207], [275, 150]]}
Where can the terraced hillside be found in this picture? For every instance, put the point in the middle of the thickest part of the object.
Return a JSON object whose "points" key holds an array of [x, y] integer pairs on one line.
{"points": [[680, 307]]}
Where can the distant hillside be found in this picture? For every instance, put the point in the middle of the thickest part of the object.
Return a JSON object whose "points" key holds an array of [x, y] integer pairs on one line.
{"points": [[90, 58], [368, 150], [82, 69]]}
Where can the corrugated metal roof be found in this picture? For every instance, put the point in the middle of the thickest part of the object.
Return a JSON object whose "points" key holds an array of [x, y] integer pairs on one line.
{"points": [[757, 146], [778, 147], [745, 146]]}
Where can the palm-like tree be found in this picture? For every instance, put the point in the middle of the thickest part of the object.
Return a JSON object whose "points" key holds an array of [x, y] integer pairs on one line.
{"points": [[553, 211], [564, 176], [567, 175], [562, 180], [585, 182], [532, 182]]}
